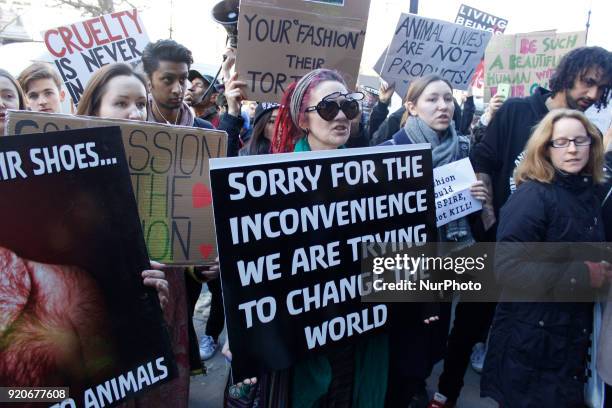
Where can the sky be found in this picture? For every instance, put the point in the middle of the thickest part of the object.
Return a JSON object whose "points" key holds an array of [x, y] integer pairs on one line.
{"points": [[193, 26]]}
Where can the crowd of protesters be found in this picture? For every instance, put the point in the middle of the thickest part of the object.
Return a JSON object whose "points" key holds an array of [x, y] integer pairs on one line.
{"points": [[543, 176]]}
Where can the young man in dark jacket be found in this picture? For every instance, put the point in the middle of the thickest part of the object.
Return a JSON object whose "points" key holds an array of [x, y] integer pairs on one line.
{"points": [[166, 64]]}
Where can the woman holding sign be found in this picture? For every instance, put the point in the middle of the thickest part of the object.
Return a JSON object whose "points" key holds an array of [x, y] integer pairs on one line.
{"points": [[115, 91], [428, 119], [538, 350], [11, 97], [315, 114]]}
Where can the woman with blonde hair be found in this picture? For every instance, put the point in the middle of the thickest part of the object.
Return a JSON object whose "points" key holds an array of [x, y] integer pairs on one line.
{"points": [[538, 345], [11, 97]]}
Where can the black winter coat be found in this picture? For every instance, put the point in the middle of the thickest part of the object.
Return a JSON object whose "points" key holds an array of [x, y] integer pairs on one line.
{"points": [[605, 195], [537, 351]]}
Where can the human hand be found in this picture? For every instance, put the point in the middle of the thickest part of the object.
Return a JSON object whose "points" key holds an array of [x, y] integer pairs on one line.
{"points": [[599, 273], [431, 319], [229, 59], [385, 92], [212, 272], [494, 104], [235, 93], [479, 191], [156, 278], [244, 389]]}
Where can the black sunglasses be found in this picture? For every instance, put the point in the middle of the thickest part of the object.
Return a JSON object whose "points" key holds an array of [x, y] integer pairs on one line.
{"points": [[329, 107]]}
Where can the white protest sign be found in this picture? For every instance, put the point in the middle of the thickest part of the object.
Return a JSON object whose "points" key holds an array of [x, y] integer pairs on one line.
{"points": [[452, 184], [470, 17], [423, 46], [79, 49]]}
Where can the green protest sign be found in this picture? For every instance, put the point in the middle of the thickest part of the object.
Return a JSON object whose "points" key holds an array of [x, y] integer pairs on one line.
{"points": [[526, 61]]}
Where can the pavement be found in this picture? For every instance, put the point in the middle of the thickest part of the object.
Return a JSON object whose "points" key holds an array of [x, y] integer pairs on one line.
{"points": [[206, 391]]}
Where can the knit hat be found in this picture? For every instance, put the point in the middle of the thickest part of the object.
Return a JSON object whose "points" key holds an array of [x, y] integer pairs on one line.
{"points": [[263, 108]]}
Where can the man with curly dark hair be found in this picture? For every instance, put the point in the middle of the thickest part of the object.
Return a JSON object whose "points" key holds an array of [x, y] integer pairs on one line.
{"points": [[582, 79]]}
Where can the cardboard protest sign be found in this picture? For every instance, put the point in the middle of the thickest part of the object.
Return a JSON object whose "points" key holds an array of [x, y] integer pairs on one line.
{"points": [[526, 61], [452, 184], [470, 17], [423, 46], [81, 48], [290, 229], [169, 170], [74, 311], [281, 40]]}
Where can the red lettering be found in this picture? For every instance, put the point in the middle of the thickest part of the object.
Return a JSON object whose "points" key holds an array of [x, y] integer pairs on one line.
{"points": [[134, 18], [528, 46], [89, 42], [108, 31], [117, 16], [96, 31], [66, 35], [58, 54]]}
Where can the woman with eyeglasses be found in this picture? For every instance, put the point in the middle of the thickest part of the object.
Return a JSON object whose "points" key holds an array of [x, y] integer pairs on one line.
{"points": [[540, 335], [315, 114]]}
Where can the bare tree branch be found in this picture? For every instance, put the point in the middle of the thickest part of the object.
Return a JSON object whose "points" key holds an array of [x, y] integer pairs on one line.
{"points": [[14, 19], [92, 8]]}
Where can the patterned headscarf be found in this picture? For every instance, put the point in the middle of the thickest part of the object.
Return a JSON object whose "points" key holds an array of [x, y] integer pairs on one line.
{"points": [[286, 134]]}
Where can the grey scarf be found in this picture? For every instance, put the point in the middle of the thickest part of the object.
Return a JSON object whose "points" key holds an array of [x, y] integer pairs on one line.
{"points": [[444, 150]]}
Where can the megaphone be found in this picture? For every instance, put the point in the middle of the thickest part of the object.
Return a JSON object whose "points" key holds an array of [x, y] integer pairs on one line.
{"points": [[226, 13]]}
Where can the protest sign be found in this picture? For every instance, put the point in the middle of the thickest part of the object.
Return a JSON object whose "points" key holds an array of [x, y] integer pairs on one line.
{"points": [[452, 184], [526, 61], [423, 46], [281, 40], [290, 230], [79, 49], [470, 17], [169, 170], [74, 311]]}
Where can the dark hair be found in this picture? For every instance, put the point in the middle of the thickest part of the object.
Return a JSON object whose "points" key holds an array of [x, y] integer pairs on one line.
{"points": [[36, 71], [164, 50], [576, 63], [416, 90], [96, 86], [258, 144], [7, 75]]}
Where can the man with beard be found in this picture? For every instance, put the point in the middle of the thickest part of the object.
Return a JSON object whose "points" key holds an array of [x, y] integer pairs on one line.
{"points": [[205, 107], [583, 78]]}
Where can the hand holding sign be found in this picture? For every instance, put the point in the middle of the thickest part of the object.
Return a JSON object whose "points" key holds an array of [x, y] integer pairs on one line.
{"points": [[423, 46], [385, 92], [235, 93], [156, 279], [479, 191]]}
